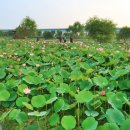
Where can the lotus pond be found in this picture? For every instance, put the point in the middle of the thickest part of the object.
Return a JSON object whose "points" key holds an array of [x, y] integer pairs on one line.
{"points": [[52, 86]]}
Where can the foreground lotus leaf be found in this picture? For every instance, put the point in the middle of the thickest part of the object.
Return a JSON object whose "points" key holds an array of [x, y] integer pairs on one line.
{"points": [[32, 127], [59, 104], [112, 114], [2, 73], [108, 126], [84, 96], [32, 80], [4, 95], [126, 124], [89, 123], [21, 100], [38, 101], [37, 114], [100, 81], [68, 122], [54, 119], [76, 75]]}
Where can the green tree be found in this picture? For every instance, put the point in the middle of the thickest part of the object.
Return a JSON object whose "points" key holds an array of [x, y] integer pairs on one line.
{"points": [[48, 34], [77, 28], [7, 33], [101, 30], [124, 34], [39, 33], [26, 29]]}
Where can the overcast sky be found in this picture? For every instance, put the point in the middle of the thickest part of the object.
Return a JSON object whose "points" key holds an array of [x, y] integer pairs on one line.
{"points": [[62, 13]]}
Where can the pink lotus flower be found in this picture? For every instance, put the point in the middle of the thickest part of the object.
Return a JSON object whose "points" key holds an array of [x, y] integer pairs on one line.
{"points": [[100, 49], [32, 46], [128, 55], [24, 64], [9, 56], [43, 47], [1, 56], [103, 92], [10, 66], [31, 54], [37, 65], [18, 59], [117, 51], [19, 73], [26, 90], [14, 57], [4, 53], [15, 54]]}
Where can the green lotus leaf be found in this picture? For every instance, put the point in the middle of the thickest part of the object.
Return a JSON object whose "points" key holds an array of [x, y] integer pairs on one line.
{"points": [[58, 79], [37, 114], [28, 106], [51, 100], [32, 80], [64, 88], [84, 96], [112, 114], [21, 117], [76, 75], [117, 100], [54, 119], [32, 127], [21, 87], [89, 124], [64, 73], [21, 100], [100, 59], [108, 126], [2, 73], [100, 81], [68, 122], [2, 87], [13, 114], [126, 124], [38, 101], [12, 83], [85, 85], [59, 104], [13, 96], [4, 95], [91, 113]]}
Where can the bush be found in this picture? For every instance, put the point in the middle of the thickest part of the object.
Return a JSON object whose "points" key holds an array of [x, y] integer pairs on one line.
{"points": [[102, 30], [26, 29], [124, 33], [48, 35]]}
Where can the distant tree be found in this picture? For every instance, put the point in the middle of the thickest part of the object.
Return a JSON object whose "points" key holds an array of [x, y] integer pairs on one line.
{"points": [[8, 33], [124, 34], [39, 33], [2, 33], [102, 30], [58, 32], [48, 35], [77, 28], [26, 29]]}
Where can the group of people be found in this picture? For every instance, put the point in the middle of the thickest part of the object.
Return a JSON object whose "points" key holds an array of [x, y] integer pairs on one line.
{"points": [[63, 39]]}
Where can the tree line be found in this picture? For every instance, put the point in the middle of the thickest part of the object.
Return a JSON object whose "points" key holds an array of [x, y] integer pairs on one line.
{"points": [[101, 30]]}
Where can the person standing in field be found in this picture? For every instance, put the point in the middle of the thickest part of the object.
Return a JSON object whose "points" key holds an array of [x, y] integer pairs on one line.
{"points": [[38, 38], [71, 38], [64, 39], [60, 38]]}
